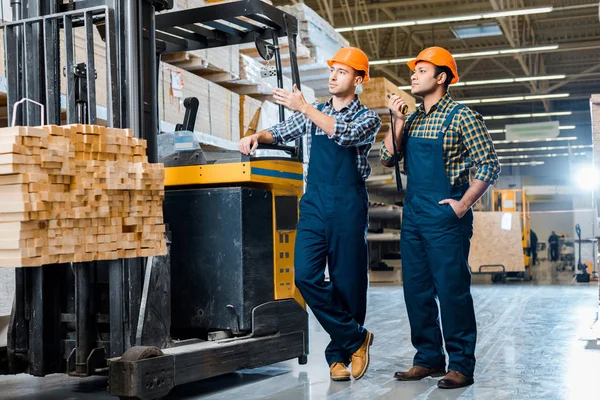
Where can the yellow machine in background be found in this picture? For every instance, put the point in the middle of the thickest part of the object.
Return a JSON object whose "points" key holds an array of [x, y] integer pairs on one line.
{"points": [[515, 200]]}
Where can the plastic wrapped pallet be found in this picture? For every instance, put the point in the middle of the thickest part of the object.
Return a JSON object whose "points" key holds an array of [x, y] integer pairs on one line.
{"points": [[316, 33], [219, 110]]}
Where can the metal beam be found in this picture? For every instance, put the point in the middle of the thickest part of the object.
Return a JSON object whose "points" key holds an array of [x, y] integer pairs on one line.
{"points": [[571, 78], [392, 4]]}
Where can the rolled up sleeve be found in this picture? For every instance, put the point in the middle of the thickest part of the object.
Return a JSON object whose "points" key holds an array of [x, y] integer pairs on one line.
{"points": [[358, 132], [480, 147]]}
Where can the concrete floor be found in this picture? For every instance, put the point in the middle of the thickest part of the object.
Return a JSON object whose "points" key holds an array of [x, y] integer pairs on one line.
{"points": [[531, 345]]}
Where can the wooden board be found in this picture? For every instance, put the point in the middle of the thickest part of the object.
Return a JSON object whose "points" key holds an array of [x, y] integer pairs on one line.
{"points": [[78, 193], [493, 245], [375, 94], [249, 115]]}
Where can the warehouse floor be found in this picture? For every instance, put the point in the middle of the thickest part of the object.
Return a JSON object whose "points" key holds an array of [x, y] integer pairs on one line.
{"points": [[531, 345]]}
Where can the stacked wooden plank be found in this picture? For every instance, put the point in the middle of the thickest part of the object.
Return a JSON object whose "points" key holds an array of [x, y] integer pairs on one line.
{"points": [[77, 193]]}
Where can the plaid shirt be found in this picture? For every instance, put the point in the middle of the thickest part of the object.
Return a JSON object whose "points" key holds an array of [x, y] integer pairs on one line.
{"points": [[467, 142], [347, 132]]}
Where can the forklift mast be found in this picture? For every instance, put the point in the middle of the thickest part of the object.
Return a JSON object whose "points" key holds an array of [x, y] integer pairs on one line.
{"points": [[86, 313]]}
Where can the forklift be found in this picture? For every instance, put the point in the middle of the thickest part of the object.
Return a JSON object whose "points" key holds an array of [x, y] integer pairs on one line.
{"points": [[223, 298], [515, 200]]}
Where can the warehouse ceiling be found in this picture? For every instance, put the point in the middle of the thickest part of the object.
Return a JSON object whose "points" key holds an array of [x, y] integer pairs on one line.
{"points": [[567, 37]]}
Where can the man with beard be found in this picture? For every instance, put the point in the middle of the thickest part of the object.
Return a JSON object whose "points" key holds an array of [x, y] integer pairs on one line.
{"points": [[439, 142], [333, 211]]}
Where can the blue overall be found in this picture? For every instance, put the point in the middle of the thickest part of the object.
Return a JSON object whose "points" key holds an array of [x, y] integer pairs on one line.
{"points": [[435, 250], [332, 229]]}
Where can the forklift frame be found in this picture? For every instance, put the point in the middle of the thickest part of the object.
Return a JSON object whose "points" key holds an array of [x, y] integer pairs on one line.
{"points": [[92, 318]]}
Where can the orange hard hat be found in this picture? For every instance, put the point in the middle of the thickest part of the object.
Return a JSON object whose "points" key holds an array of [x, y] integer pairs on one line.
{"points": [[352, 57], [437, 56]]}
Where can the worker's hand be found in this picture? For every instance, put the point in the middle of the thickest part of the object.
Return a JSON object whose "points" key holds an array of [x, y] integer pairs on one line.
{"points": [[460, 209], [292, 101], [395, 104], [248, 144]]}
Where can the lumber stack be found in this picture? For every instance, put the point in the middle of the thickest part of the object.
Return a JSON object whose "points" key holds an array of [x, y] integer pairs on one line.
{"points": [[77, 193]]}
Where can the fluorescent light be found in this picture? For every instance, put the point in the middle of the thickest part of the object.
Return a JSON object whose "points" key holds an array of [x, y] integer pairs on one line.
{"points": [[562, 128], [502, 99], [477, 54], [491, 81], [521, 157], [468, 17], [536, 115], [400, 60], [539, 78], [379, 62], [530, 49], [513, 98], [546, 96], [528, 163], [544, 148], [485, 53], [512, 13], [448, 19], [557, 139], [551, 114]]}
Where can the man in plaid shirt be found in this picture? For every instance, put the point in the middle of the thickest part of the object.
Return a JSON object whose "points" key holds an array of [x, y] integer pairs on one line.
{"points": [[439, 142], [333, 211]]}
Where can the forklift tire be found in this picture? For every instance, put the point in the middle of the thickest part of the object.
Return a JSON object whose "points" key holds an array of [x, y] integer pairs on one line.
{"points": [[497, 278], [138, 353], [303, 360]]}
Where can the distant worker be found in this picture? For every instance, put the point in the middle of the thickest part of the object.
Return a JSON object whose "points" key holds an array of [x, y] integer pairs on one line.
{"points": [[533, 240], [553, 244]]}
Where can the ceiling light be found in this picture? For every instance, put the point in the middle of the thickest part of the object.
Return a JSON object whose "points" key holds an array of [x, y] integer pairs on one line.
{"points": [[562, 128], [513, 98], [557, 139], [545, 148], [457, 18], [542, 156], [498, 81], [548, 114], [528, 163], [478, 54]]}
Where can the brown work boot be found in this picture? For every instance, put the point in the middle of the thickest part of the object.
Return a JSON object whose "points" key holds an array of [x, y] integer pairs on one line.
{"points": [[455, 380], [418, 372], [360, 359], [339, 372]]}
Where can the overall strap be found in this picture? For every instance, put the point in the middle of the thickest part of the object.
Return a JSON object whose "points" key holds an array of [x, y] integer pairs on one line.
{"points": [[320, 108], [405, 134], [448, 120]]}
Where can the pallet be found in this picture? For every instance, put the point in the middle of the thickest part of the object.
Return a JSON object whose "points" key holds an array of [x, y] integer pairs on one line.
{"points": [[77, 193]]}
